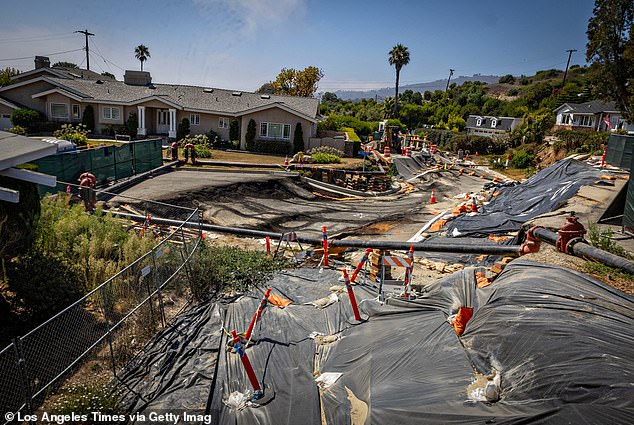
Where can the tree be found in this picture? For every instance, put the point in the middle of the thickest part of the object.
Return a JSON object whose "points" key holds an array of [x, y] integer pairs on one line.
{"points": [[183, 129], [6, 74], [142, 53], [266, 88], [294, 82], [329, 96], [234, 130], [388, 107], [399, 57], [298, 139], [507, 79], [63, 64], [108, 75], [610, 50], [249, 137], [88, 119]]}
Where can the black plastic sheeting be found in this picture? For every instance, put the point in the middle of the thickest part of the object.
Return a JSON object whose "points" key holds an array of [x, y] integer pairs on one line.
{"points": [[561, 341], [544, 192]]}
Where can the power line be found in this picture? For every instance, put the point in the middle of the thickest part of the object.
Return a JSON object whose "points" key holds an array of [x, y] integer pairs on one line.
{"points": [[44, 54], [36, 38], [106, 61]]}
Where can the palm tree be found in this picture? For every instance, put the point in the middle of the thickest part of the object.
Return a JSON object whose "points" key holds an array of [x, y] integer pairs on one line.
{"points": [[399, 57], [142, 53]]}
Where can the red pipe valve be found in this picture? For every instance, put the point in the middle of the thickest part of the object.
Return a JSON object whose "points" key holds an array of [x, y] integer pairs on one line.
{"points": [[570, 231]]}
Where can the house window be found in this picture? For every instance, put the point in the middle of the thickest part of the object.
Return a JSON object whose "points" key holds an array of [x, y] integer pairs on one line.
{"points": [[111, 113], [478, 122], [194, 119], [585, 120], [76, 111], [494, 123], [275, 130], [59, 110], [223, 122]]}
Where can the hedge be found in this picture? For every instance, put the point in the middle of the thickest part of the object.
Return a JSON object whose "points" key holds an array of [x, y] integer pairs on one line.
{"points": [[273, 146]]}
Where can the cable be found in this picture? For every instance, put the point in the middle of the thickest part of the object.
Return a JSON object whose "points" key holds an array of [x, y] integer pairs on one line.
{"points": [[44, 54], [37, 38], [98, 53]]}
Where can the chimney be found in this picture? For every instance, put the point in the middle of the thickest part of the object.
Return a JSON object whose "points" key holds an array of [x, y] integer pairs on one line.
{"points": [[137, 78], [42, 62]]}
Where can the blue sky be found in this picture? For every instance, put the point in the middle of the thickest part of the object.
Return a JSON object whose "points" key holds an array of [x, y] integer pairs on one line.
{"points": [[241, 44]]}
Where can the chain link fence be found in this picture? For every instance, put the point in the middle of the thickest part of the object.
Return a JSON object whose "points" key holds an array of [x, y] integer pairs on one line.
{"points": [[111, 323]]}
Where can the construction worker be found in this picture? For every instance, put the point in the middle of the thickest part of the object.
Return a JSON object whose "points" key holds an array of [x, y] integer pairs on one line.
{"points": [[87, 193], [193, 155]]}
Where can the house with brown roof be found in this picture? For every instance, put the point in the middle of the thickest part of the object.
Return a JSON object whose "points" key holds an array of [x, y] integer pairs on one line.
{"points": [[62, 95]]}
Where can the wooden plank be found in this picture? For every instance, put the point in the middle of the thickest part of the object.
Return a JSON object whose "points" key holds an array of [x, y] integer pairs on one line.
{"points": [[30, 176]]}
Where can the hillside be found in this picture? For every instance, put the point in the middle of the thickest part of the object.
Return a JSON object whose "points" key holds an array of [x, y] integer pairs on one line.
{"points": [[417, 87]]}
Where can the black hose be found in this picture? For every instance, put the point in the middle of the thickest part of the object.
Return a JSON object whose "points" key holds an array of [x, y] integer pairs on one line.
{"points": [[583, 250], [457, 247]]}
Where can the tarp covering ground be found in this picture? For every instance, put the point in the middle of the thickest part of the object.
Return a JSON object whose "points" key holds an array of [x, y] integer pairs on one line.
{"points": [[560, 341], [544, 192]]}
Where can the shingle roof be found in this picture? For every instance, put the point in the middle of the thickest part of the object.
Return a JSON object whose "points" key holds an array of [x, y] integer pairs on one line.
{"points": [[503, 123], [592, 107], [16, 150], [187, 97], [61, 72]]}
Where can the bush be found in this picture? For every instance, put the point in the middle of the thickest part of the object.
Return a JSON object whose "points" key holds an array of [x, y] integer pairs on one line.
{"points": [[298, 139], [183, 129], [327, 150], [507, 79], [75, 134], [219, 268], [85, 399], [513, 92], [582, 141], [202, 151], [352, 135], [132, 125], [281, 147], [250, 136], [25, 118], [18, 130], [234, 130], [602, 239], [88, 119], [44, 283], [325, 158], [199, 139], [522, 159]]}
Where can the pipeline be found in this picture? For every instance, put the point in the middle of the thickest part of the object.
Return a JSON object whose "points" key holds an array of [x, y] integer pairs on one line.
{"points": [[456, 247], [579, 248]]}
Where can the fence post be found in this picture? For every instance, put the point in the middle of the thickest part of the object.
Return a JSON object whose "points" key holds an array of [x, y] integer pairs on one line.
{"points": [[108, 333], [24, 377], [158, 287]]}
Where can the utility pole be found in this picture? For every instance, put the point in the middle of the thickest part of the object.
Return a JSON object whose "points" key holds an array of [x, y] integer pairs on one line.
{"points": [[570, 51], [86, 33], [449, 79]]}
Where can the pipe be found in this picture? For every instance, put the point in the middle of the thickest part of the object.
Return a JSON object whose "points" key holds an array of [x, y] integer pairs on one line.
{"points": [[258, 314], [583, 250], [353, 300], [456, 247]]}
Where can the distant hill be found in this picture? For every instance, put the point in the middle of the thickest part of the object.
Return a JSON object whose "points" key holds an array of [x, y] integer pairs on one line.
{"points": [[418, 87]]}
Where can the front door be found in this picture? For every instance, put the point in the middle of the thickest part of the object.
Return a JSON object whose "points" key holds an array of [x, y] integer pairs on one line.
{"points": [[162, 121]]}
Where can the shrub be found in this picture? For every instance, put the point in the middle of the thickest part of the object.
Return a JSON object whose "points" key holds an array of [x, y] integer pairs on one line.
{"points": [[325, 158], [25, 117], [132, 125], [88, 119], [602, 239], [218, 268], [234, 130], [85, 399], [203, 151], [281, 147], [18, 130], [19, 221], [298, 139], [44, 283], [513, 92], [250, 136], [326, 149], [199, 139], [75, 134], [507, 79], [183, 129], [522, 159], [352, 135], [583, 141]]}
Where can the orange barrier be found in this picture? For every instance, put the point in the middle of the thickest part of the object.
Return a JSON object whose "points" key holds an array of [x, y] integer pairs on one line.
{"points": [[462, 318]]}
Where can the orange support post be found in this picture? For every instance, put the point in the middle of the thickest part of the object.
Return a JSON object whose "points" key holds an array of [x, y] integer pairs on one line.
{"points": [[258, 314], [268, 244], [325, 244], [353, 300], [237, 346], [360, 265]]}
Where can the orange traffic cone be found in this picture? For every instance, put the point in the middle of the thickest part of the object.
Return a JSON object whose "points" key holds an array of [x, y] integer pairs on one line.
{"points": [[286, 161], [474, 205], [432, 200]]}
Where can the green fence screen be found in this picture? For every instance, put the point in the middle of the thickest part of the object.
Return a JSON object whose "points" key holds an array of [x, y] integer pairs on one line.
{"points": [[619, 151], [107, 163]]}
